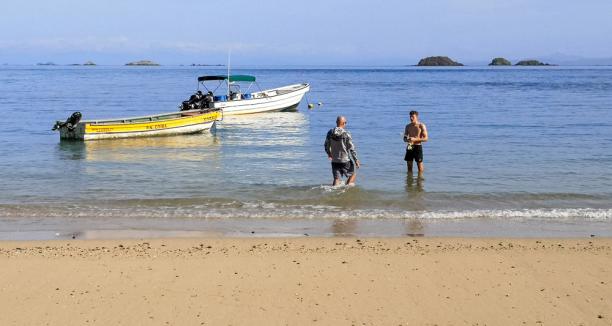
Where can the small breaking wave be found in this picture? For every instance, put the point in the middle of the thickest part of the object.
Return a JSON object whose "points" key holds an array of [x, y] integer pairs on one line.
{"points": [[271, 210]]}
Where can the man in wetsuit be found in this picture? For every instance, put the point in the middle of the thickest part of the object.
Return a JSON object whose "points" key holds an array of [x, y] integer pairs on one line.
{"points": [[341, 151], [415, 134]]}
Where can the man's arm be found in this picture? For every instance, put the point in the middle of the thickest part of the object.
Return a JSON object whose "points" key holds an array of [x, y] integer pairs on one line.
{"points": [[327, 145], [424, 136], [351, 148]]}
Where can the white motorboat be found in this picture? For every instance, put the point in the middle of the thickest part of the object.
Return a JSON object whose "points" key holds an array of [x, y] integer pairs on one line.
{"points": [[238, 101]]}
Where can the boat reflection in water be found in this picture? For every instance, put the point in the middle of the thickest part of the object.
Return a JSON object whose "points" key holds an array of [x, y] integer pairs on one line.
{"points": [[274, 128], [196, 147], [265, 146]]}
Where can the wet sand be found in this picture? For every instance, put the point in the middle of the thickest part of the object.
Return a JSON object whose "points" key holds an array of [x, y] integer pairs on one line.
{"points": [[303, 281]]}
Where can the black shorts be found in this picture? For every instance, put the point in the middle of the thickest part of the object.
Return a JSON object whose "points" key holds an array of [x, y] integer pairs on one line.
{"points": [[343, 169], [416, 154]]}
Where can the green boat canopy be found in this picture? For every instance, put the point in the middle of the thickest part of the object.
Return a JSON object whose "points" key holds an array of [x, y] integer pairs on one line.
{"points": [[232, 78]]}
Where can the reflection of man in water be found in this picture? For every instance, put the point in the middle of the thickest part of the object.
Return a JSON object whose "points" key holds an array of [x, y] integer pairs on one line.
{"points": [[341, 151], [415, 134], [414, 228], [344, 228], [414, 186]]}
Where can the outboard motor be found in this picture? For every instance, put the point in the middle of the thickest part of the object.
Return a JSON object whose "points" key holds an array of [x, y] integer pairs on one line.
{"points": [[70, 123], [186, 106], [194, 102]]}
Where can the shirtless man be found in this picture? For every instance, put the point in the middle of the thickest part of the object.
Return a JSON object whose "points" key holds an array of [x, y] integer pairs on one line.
{"points": [[415, 134]]}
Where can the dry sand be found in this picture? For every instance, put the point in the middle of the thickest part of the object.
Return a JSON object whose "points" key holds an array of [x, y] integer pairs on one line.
{"points": [[304, 281]]}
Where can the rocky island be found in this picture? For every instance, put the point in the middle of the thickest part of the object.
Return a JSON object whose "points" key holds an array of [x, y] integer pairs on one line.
{"points": [[438, 61], [531, 63], [500, 62], [142, 63], [88, 63]]}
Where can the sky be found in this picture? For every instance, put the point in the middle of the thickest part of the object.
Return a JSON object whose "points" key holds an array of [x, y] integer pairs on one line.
{"points": [[314, 32]]}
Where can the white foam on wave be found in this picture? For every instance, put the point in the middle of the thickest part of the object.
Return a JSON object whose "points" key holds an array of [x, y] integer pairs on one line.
{"points": [[335, 189], [545, 214], [263, 210]]}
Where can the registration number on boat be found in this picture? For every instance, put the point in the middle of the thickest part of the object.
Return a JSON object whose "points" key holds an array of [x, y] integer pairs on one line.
{"points": [[157, 126]]}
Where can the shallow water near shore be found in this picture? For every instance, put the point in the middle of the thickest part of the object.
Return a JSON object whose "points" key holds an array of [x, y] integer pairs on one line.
{"points": [[512, 151]]}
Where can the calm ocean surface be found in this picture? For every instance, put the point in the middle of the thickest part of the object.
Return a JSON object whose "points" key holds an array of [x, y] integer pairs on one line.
{"points": [[525, 146]]}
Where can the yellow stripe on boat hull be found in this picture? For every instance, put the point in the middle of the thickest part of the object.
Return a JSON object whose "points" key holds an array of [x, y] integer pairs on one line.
{"points": [[94, 128]]}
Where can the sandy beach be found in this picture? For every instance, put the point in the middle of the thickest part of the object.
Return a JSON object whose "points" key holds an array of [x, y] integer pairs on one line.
{"points": [[300, 281]]}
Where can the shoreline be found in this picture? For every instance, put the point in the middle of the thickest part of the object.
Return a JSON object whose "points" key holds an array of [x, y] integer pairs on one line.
{"points": [[307, 280], [132, 228]]}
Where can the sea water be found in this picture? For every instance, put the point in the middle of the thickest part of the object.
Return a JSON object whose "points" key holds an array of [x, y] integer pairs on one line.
{"points": [[526, 150]]}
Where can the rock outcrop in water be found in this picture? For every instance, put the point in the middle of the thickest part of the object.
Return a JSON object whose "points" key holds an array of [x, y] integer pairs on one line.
{"points": [[89, 63], [531, 63], [500, 62], [206, 65], [438, 61], [142, 63]]}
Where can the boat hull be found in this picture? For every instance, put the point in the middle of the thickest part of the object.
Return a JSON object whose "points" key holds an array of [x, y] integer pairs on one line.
{"points": [[149, 126], [281, 99]]}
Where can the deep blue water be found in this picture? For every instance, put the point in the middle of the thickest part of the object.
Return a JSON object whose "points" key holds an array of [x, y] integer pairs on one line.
{"points": [[505, 143]]}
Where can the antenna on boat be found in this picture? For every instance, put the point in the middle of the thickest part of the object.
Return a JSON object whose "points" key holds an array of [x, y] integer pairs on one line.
{"points": [[229, 55]]}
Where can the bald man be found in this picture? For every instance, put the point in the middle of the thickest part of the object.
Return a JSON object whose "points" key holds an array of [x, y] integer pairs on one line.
{"points": [[341, 151]]}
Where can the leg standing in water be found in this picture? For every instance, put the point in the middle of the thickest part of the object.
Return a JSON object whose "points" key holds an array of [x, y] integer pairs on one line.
{"points": [[415, 134], [341, 152]]}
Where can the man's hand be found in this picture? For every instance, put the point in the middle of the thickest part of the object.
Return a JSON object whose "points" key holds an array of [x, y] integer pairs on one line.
{"points": [[357, 164], [329, 157]]}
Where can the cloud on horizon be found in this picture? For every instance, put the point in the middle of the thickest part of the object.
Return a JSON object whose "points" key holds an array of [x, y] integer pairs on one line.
{"points": [[56, 47]]}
